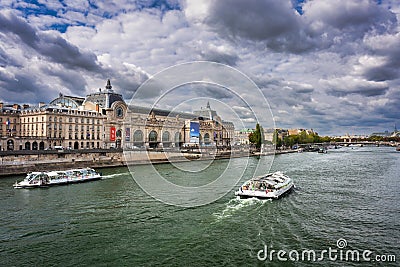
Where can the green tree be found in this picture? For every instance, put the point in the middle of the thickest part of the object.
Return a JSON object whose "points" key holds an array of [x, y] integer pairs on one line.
{"points": [[303, 137], [256, 136], [291, 140], [252, 138], [314, 138], [259, 136], [325, 139], [276, 140]]}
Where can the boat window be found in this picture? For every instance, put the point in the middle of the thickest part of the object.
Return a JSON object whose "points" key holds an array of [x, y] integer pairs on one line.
{"points": [[31, 176]]}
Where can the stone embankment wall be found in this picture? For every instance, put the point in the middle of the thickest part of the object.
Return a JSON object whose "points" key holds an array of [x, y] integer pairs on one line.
{"points": [[21, 163], [13, 163]]}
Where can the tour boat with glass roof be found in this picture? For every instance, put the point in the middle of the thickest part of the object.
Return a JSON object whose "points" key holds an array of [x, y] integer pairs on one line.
{"points": [[45, 179], [271, 185]]}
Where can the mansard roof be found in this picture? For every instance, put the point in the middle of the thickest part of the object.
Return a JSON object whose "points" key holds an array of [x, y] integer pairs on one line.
{"points": [[161, 112]]}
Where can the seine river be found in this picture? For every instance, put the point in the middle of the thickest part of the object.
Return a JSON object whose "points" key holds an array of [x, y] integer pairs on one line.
{"points": [[345, 200]]}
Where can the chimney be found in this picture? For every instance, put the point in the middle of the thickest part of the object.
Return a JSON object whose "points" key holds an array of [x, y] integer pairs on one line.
{"points": [[25, 106], [41, 104]]}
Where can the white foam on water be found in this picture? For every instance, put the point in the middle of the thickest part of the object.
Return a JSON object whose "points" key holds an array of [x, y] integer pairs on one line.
{"points": [[236, 204], [110, 176]]}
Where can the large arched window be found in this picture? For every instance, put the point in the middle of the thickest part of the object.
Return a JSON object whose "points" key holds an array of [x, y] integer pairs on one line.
{"points": [[165, 136], [153, 136], [178, 137], [35, 146], [65, 102], [138, 136], [10, 145], [27, 146], [206, 138], [166, 139]]}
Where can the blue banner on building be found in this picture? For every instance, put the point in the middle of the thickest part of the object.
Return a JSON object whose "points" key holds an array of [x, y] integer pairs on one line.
{"points": [[194, 132]]}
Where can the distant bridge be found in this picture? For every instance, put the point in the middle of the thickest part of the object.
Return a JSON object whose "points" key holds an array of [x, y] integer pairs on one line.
{"points": [[354, 142]]}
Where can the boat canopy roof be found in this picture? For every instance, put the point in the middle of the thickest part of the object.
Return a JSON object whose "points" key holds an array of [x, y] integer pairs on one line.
{"points": [[61, 173], [271, 178], [56, 173]]}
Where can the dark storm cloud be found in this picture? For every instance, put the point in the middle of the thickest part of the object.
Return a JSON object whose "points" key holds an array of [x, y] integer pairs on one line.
{"points": [[57, 62], [390, 109], [243, 111], [390, 69], [223, 58], [267, 82], [286, 93], [7, 60], [23, 88], [253, 19], [281, 28], [315, 111], [52, 46], [367, 121], [206, 90], [58, 50], [9, 23], [367, 91], [69, 78], [275, 22], [360, 16], [126, 86], [349, 85]]}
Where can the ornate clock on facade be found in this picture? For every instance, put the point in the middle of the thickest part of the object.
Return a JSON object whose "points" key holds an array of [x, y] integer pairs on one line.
{"points": [[119, 112]]}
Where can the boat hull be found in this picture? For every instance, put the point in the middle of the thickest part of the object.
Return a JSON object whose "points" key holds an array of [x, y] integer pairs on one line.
{"points": [[20, 186], [260, 195]]}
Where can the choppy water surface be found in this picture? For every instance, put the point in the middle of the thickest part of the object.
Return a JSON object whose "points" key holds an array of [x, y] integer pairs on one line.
{"points": [[350, 194]]}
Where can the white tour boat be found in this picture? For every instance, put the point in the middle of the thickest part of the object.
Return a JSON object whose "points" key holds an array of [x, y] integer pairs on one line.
{"points": [[45, 179], [272, 185]]}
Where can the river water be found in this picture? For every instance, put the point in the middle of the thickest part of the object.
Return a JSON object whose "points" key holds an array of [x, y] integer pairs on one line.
{"points": [[350, 195]]}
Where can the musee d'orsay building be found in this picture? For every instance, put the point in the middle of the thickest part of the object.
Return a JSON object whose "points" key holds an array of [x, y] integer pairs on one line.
{"points": [[103, 120]]}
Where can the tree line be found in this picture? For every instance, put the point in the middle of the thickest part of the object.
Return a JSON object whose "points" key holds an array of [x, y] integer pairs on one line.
{"points": [[256, 138]]}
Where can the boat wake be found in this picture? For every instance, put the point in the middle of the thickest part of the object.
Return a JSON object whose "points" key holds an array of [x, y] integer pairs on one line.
{"points": [[110, 176], [234, 205]]}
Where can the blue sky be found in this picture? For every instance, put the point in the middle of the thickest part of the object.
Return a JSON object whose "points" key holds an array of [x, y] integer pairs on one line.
{"points": [[328, 65]]}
